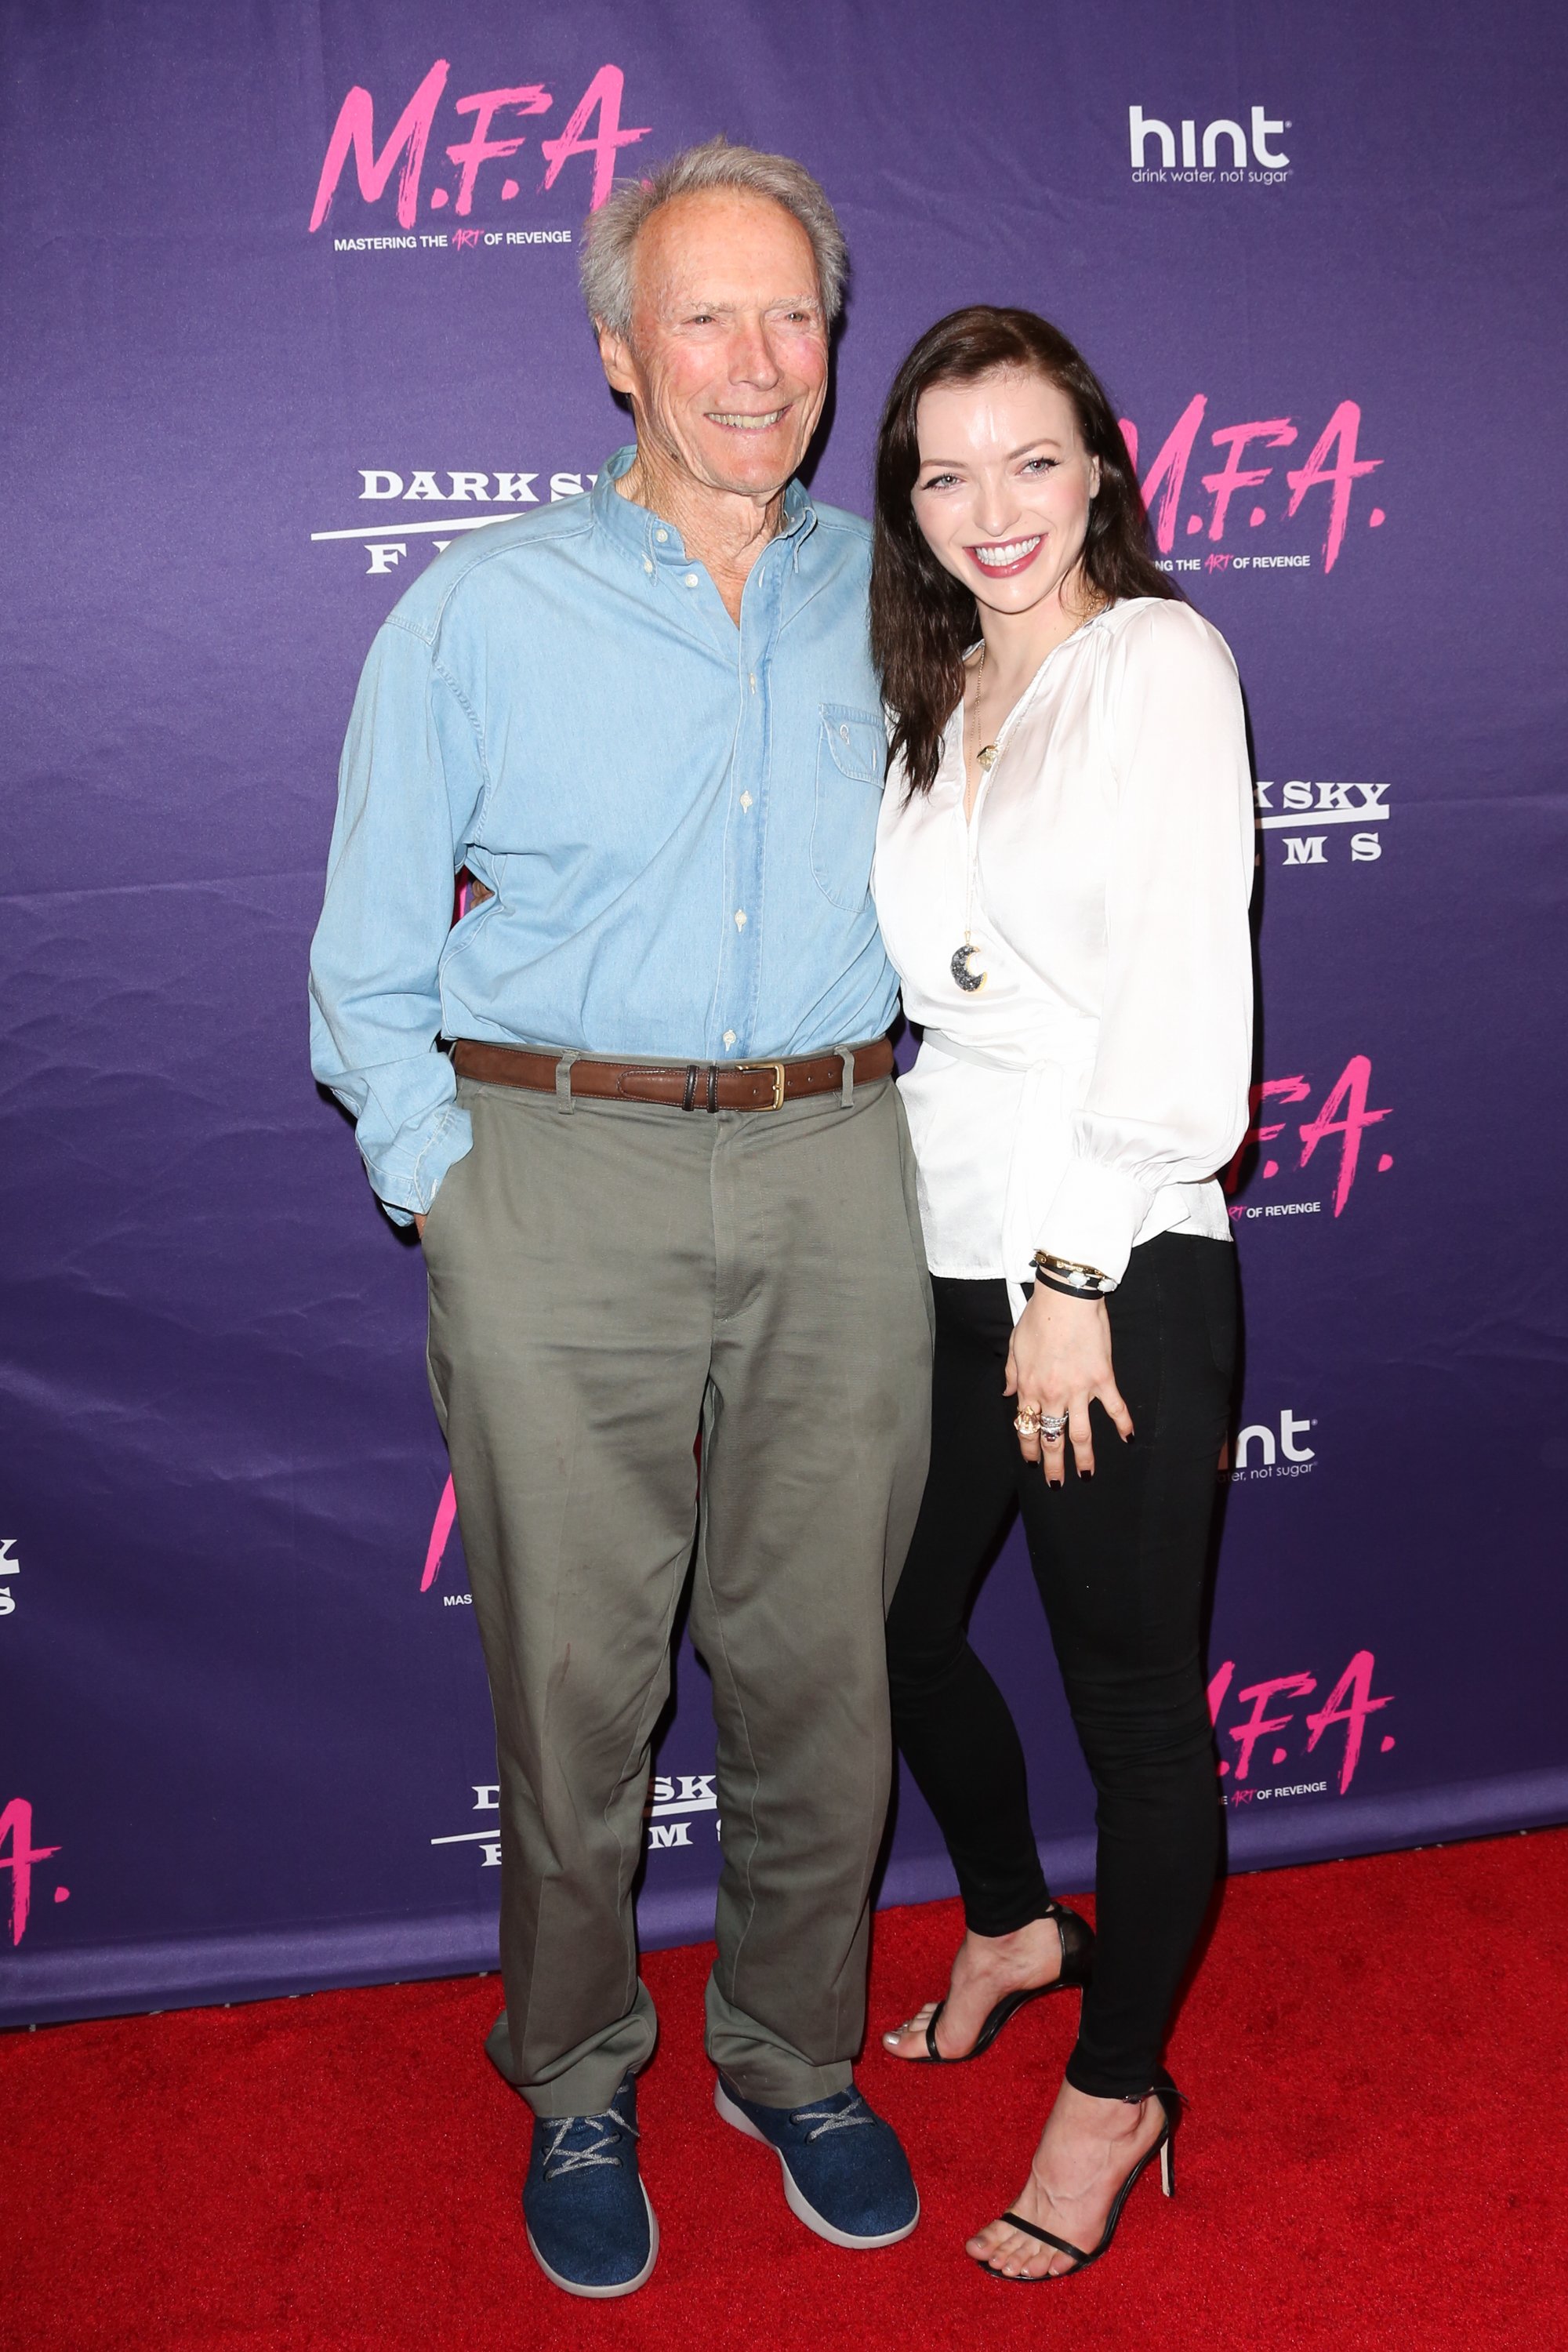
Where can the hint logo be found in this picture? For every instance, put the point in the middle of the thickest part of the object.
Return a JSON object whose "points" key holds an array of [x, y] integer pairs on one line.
{"points": [[1260, 1455], [1201, 152]]}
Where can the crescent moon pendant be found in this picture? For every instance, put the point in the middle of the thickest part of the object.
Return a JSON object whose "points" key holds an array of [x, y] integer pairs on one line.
{"points": [[969, 981]]}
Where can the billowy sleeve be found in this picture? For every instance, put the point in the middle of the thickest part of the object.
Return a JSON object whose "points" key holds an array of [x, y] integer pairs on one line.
{"points": [[1167, 1102]]}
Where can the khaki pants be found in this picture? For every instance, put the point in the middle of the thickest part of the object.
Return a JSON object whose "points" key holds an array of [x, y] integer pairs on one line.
{"points": [[605, 1278]]}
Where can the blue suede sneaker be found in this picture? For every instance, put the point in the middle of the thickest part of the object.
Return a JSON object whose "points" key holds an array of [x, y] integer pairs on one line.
{"points": [[589, 2226], [845, 2174]]}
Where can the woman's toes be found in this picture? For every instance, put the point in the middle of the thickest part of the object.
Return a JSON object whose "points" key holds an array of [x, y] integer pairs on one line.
{"points": [[1012, 2255], [999, 2248]]}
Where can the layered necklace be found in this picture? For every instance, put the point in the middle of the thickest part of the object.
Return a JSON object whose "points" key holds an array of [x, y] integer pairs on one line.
{"points": [[960, 963]]}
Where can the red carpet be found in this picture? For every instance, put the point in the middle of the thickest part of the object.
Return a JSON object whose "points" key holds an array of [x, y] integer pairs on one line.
{"points": [[1373, 2160]]}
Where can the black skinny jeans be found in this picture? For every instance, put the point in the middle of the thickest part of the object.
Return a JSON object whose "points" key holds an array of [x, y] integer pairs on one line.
{"points": [[1120, 1564]]}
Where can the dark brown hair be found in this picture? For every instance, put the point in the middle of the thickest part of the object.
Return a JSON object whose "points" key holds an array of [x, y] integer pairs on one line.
{"points": [[922, 619]]}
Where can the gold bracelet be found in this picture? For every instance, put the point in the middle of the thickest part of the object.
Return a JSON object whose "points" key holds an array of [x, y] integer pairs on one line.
{"points": [[1066, 1273]]}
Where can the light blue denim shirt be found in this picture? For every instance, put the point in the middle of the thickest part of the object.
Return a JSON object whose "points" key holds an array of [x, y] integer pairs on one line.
{"points": [[675, 814]]}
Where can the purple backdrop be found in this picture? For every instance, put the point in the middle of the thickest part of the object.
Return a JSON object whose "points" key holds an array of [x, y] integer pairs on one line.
{"points": [[245, 1742]]}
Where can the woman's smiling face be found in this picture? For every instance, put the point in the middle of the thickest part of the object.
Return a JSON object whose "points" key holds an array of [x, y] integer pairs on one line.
{"points": [[1005, 484]]}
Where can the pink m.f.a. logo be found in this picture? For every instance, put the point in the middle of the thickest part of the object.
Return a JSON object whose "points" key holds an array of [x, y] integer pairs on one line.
{"points": [[441, 1527], [16, 1833], [354, 133], [1351, 1702], [1332, 464], [1344, 1118]]}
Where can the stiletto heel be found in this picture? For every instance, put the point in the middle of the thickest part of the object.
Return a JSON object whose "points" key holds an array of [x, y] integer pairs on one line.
{"points": [[1170, 2099], [1077, 1966]]}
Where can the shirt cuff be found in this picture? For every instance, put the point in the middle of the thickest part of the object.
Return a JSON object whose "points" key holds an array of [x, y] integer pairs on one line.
{"points": [[408, 1197], [1094, 1218]]}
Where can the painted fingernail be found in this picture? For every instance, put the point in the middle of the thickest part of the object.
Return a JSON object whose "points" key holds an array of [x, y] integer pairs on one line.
{"points": [[1084, 1477]]}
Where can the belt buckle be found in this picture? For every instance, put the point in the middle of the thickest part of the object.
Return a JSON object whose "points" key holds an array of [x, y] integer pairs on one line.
{"points": [[778, 1070]]}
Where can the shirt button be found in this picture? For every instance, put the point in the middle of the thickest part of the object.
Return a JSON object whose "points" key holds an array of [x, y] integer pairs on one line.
{"points": [[728, 1037], [661, 536], [844, 731], [691, 579], [740, 918], [746, 801], [647, 564], [753, 681]]}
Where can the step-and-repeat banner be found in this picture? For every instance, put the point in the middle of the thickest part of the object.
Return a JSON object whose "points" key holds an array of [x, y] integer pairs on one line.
{"points": [[291, 303]]}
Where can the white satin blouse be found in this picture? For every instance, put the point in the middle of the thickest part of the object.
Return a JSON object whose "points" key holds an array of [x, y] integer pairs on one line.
{"points": [[1082, 1100]]}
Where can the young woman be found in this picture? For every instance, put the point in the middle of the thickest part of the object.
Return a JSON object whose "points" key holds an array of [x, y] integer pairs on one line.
{"points": [[1063, 868]]}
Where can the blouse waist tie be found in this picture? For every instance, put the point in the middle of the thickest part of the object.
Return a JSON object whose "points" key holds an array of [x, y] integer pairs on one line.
{"points": [[1038, 1109]]}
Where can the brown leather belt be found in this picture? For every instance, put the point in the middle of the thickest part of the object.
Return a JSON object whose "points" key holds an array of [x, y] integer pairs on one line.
{"points": [[684, 1085]]}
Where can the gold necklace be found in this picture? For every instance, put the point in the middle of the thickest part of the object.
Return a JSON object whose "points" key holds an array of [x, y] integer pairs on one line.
{"points": [[986, 758], [960, 965], [960, 962]]}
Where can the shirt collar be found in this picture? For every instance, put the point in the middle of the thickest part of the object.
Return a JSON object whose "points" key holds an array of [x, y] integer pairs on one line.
{"points": [[638, 530]]}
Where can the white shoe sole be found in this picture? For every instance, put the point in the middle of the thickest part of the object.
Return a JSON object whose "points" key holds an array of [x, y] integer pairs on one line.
{"points": [[603, 2294], [792, 2197]]}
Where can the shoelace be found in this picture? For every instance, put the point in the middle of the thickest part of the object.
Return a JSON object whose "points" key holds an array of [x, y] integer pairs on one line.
{"points": [[837, 2119], [560, 2159]]}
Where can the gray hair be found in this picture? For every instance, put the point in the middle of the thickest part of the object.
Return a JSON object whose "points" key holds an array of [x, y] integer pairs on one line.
{"points": [[608, 242]]}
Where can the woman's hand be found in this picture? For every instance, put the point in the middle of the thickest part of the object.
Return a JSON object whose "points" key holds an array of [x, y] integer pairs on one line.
{"points": [[1060, 1360]]}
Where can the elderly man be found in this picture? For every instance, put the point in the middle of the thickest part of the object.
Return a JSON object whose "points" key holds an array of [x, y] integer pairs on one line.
{"points": [[663, 1186]]}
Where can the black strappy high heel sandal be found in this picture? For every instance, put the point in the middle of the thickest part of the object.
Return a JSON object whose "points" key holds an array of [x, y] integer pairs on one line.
{"points": [[1078, 1966], [1164, 2147]]}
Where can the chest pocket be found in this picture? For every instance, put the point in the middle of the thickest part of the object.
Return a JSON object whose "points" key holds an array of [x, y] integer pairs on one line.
{"points": [[851, 759]]}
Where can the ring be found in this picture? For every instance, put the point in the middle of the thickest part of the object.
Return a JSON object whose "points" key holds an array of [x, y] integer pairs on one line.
{"points": [[1053, 1427], [1026, 1422]]}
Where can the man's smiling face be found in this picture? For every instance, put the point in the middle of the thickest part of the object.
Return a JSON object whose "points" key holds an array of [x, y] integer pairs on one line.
{"points": [[726, 365]]}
